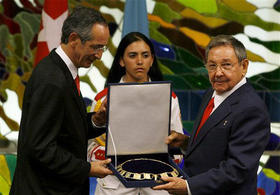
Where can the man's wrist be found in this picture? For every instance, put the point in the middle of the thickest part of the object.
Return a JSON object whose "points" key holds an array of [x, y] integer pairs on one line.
{"points": [[96, 124], [185, 143]]}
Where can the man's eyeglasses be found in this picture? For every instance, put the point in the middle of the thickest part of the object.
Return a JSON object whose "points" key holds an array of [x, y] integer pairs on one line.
{"points": [[212, 67], [98, 48]]}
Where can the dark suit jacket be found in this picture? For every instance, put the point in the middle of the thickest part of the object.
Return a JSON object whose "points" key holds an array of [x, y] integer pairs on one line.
{"points": [[224, 158], [54, 130]]}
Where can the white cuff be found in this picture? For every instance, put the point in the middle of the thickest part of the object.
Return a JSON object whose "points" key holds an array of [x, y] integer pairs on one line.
{"points": [[189, 191]]}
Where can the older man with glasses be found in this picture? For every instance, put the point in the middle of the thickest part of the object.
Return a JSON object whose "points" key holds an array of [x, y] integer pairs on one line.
{"points": [[230, 133]]}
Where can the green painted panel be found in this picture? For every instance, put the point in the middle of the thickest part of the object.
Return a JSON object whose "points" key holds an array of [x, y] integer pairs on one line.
{"points": [[188, 58], [164, 12], [4, 38], [267, 81], [201, 6], [18, 45], [11, 160], [244, 18], [176, 66], [164, 69], [201, 70], [29, 25], [271, 45], [196, 81], [156, 35], [1, 11], [177, 81], [188, 125]]}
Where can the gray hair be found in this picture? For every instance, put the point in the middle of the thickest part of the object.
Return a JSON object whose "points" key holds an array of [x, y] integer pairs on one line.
{"points": [[221, 40], [81, 21]]}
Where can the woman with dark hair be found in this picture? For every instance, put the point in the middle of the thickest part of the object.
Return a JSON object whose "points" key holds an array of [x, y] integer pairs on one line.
{"points": [[135, 61], [117, 71]]}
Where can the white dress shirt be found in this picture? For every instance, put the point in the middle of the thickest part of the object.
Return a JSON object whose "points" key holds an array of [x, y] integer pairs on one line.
{"points": [[218, 99], [72, 68]]}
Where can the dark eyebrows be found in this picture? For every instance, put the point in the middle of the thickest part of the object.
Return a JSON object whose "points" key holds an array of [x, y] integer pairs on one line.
{"points": [[134, 52]]}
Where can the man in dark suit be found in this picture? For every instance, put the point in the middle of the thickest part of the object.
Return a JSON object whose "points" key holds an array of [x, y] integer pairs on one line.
{"points": [[223, 152], [55, 127]]}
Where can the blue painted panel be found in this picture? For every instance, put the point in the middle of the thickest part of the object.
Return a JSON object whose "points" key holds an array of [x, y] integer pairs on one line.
{"points": [[272, 100]]}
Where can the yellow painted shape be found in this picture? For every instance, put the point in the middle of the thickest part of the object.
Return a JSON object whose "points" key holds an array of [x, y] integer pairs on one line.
{"points": [[97, 105], [240, 5], [201, 39], [202, 6], [14, 83], [13, 125], [20, 92], [211, 22], [254, 57], [159, 20], [101, 139], [4, 170], [25, 77], [4, 186], [271, 174]]}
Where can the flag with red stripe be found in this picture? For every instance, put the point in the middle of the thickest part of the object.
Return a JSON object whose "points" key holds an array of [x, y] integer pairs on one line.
{"points": [[53, 15]]}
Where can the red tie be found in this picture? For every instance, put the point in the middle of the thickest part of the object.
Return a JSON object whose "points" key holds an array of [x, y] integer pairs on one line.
{"points": [[77, 81], [206, 114]]}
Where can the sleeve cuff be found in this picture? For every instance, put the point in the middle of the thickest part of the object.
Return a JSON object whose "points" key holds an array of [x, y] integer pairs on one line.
{"points": [[188, 188]]}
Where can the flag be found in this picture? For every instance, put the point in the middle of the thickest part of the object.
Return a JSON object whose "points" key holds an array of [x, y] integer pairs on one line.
{"points": [[135, 17], [53, 15]]}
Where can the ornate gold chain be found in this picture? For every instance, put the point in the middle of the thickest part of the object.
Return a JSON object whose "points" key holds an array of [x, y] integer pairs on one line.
{"points": [[146, 176]]}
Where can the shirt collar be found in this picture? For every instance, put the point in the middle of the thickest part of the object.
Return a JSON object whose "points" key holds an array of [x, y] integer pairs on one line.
{"points": [[72, 68], [122, 81], [218, 99]]}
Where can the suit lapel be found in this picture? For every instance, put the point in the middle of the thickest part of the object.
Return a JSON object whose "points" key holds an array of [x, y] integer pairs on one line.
{"points": [[215, 118], [208, 96], [78, 99]]}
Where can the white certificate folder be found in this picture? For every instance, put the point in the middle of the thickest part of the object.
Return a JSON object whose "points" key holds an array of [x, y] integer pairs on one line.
{"points": [[138, 124]]}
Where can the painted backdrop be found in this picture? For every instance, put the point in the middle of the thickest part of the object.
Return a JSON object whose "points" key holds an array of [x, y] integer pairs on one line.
{"points": [[180, 31]]}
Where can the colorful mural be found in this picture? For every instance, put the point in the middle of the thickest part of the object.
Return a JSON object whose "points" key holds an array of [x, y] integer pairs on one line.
{"points": [[7, 167], [180, 31]]}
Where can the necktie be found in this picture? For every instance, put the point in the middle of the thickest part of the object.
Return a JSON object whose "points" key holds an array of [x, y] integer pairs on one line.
{"points": [[206, 114], [77, 81]]}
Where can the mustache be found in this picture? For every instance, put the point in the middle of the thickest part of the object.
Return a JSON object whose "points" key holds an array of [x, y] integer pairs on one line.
{"points": [[219, 80]]}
